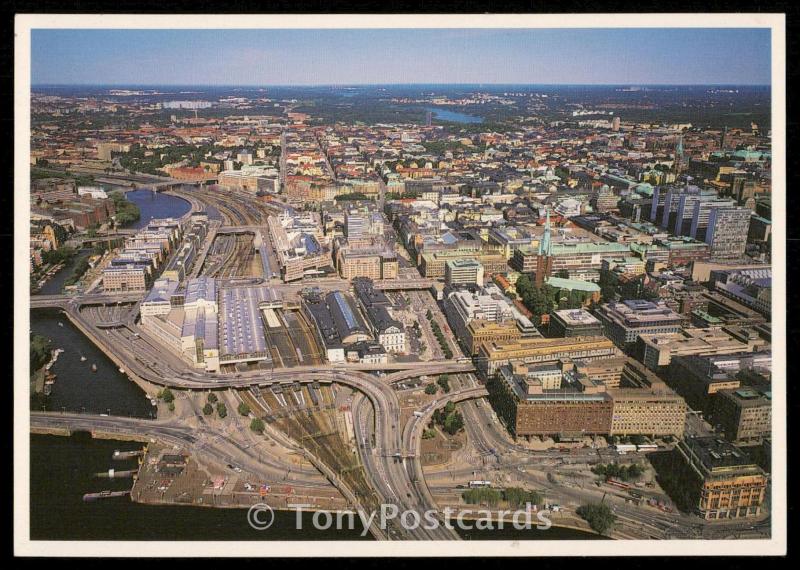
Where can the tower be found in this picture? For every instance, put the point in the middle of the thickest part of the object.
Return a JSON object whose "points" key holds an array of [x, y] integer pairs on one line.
{"points": [[544, 259], [679, 154], [428, 119]]}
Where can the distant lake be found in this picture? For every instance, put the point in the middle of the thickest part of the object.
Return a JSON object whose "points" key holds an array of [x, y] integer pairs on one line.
{"points": [[453, 116]]}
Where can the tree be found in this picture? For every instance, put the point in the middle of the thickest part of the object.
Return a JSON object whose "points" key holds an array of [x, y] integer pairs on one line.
{"points": [[598, 515], [208, 409], [257, 425], [453, 423], [222, 410], [243, 409], [167, 395], [562, 274], [517, 497], [171, 406], [431, 389], [39, 352], [484, 495], [444, 382], [212, 398]]}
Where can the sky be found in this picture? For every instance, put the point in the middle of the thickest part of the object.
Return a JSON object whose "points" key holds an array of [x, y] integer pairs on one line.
{"points": [[398, 56]]}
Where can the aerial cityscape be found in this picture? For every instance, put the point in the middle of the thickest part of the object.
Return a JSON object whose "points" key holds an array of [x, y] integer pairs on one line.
{"points": [[272, 298]]}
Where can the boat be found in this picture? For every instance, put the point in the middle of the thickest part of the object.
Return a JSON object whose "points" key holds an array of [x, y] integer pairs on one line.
{"points": [[83, 358], [60, 324], [94, 367], [122, 371]]}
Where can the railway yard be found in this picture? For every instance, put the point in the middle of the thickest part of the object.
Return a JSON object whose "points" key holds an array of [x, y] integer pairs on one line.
{"points": [[233, 255], [235, 208]]}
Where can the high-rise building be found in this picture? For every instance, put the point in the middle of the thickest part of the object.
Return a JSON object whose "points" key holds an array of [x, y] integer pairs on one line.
{"points": [[727, 231]]}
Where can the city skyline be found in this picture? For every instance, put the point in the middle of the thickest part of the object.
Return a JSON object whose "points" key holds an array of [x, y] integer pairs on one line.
{"points": [[369, 57]]}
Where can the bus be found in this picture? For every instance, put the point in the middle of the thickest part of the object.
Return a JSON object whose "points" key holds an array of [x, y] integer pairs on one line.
{"points": [[617, 483], [647, 447], [479, 484], [625, 447]]}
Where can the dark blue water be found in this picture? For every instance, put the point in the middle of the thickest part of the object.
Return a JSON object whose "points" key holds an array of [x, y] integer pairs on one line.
{"points": [[77, 388], [63, 468], [453, 116], [156, 205], [55, 284]]}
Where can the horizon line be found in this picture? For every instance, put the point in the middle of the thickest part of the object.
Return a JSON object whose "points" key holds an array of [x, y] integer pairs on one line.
{"points": [[624, 84]]}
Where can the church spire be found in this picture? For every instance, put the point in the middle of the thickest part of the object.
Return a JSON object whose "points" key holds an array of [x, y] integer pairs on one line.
{"points": [[545, 246]]}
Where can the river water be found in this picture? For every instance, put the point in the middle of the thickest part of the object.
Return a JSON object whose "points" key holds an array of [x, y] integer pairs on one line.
{"points": [[54, 285], [63, 468], [77, 388], [156, 205]]}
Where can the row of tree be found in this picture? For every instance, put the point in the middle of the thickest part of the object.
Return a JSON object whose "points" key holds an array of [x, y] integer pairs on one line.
{"points": [[437, 332], [617, 471]]}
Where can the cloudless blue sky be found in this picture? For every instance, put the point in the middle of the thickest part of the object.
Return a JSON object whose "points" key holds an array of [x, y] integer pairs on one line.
{"points": [[315, 57]]}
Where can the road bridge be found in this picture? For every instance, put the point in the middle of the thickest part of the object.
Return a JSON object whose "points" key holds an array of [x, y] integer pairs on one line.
{"points": [[62, 301]]}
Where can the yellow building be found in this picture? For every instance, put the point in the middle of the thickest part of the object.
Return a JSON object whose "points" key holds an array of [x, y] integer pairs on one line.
{"points": [[479, 331], [492, 355]]}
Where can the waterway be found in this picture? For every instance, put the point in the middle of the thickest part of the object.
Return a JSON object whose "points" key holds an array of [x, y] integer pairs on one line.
{"points": [[453, 116], [55, 284], [77, 388], [156, 205], [62, 468]]}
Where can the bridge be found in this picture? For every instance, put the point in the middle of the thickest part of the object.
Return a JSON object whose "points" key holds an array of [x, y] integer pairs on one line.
{"points": [[241, 229], [62, 301]]}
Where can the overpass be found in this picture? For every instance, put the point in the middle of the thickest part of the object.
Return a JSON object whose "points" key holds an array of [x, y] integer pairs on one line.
{"points": [[62, 301], [241, 229], [416, 369]]}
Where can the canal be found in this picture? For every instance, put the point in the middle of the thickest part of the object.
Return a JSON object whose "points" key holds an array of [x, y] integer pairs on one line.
{"points": [[55, 284]]}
